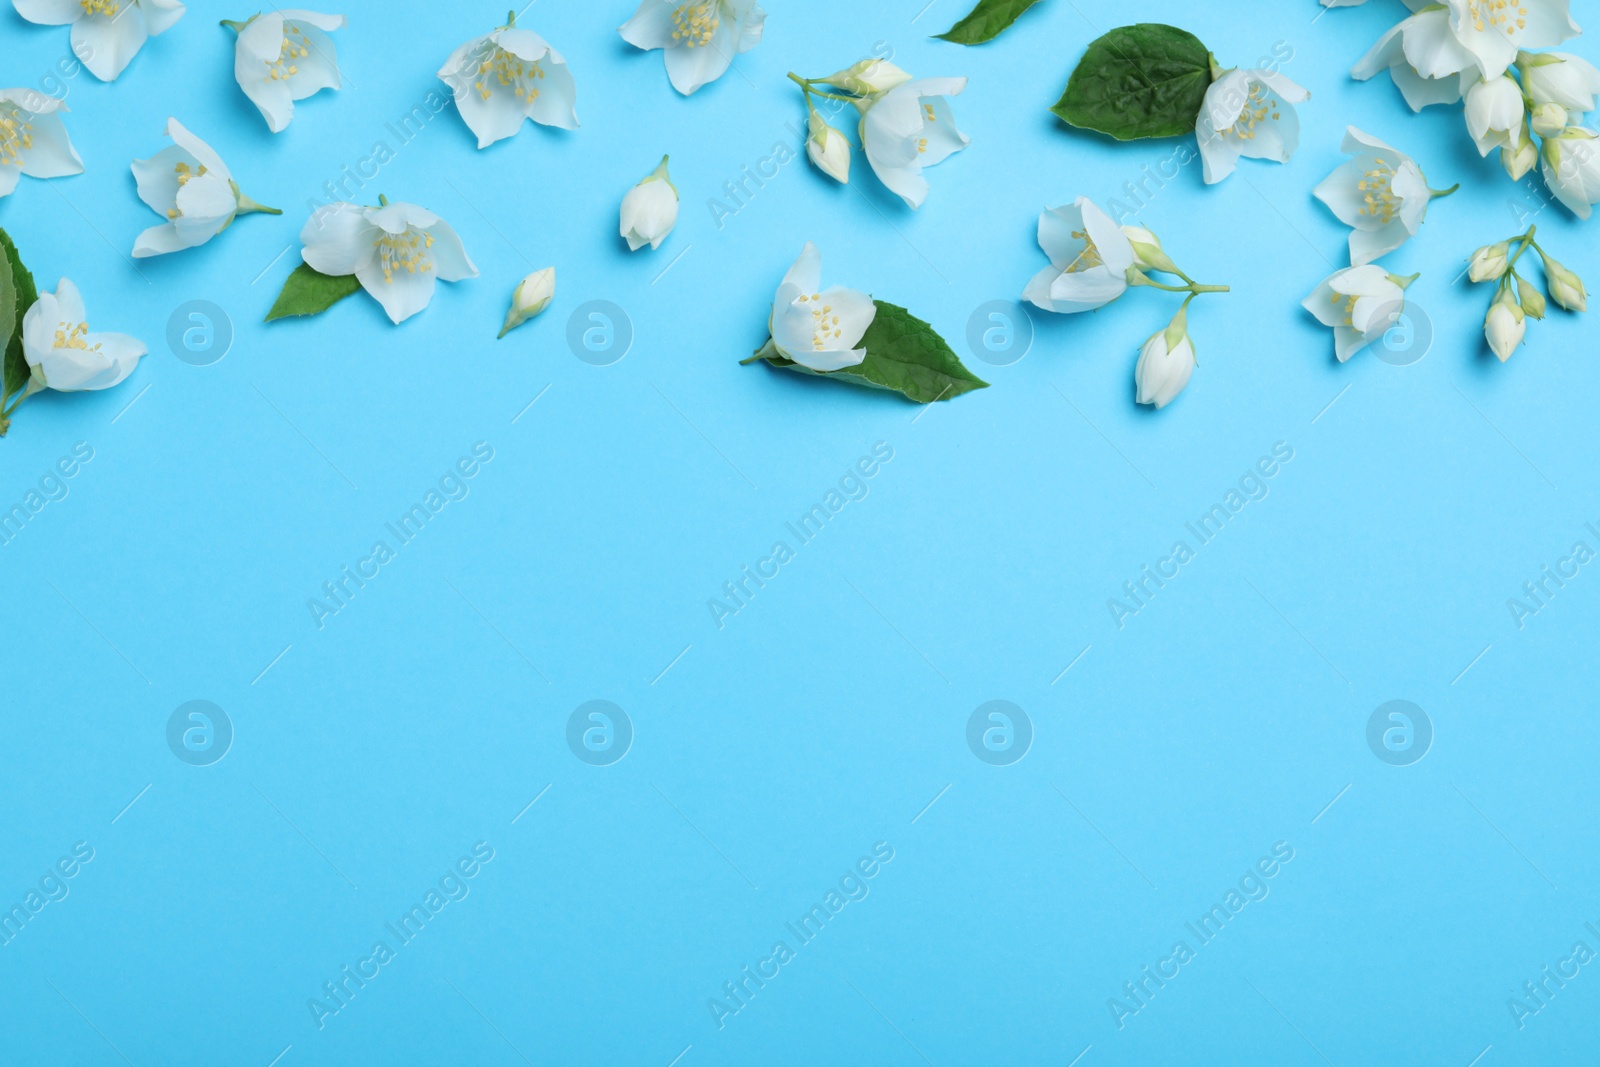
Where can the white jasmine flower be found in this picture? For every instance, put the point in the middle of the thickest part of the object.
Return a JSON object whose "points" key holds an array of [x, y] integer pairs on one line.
{"points": [[64, 355], [1490, 261], [188, 185], [532, 295], [1248, 113], [828, 148], [1089, 259], [1494, 30], [819, 329], [908, 128], [284, 56], [1505, 326], [507, 76], [1548, 120], [1148, 254], [1380, 192], [1520, 160], [106, 34], [1495, 111], [1566, 288], [699, 39], [1423, 57], [650, 210], [1560, 78], [394, 250], [1165, 364], [1360, 304], [33, 139], [868, 77], [1572, 169]]}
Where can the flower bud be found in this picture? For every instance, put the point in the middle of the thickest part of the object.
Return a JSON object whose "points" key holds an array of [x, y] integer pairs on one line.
{"points": [[1165, 364], [868, 77], [828, 148], [532, 295], [650, 210], [1533, 302], [1147, 251], [1549, 119], [1489, 262], [1566, 288], [1520, 160], [1505, 326]]}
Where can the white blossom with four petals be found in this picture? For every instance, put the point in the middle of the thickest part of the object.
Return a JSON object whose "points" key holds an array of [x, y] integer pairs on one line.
{"points": [[33, 139], [1423, 57], [1379, 192], [63, 354], [188, 185], [396, 251], [284, 56], [815, 327], [698, 37], [1360, 304], [106, 34], [1248, 113], [507, 76], [1089, 259], [908, 128]]}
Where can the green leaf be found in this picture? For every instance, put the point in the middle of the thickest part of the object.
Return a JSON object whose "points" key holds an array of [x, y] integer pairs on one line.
{"points": [[986, 21], [310, 292], [23, 294], [1138, 81], [904, 355]]}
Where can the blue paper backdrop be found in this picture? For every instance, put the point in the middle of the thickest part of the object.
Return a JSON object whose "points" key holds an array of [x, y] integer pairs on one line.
{"points": [[1168, 759]]}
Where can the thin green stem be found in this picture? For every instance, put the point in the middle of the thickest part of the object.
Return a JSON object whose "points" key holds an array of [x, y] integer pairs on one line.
{"points": [[806, 84], [1527, 243], [1438, 193], [1192, 289]]}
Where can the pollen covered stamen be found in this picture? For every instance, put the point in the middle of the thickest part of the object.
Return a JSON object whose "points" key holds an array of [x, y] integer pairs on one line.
{"points": [[16, 136], [73, 335], [1377, 192], [185, 174], [409, 252], [1503, 16], [295, 47], [108, 8], [695, 24], [825, 328], [1089, 257], [497, 65], [1258, 108]]}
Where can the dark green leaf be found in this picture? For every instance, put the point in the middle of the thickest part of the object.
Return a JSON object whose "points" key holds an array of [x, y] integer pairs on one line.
{"points": [[986, 21], [23, 295], [310, 292], [1139, 81], [904, 355]]}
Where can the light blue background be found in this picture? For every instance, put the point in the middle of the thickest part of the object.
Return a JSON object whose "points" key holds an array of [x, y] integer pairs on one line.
{"points": [[771, 754]]}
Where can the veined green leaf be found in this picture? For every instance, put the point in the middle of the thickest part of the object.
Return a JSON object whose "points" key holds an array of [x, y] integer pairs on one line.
{"points": [[1147, 80], [310, 292], [22, 294], [986, 21]]}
